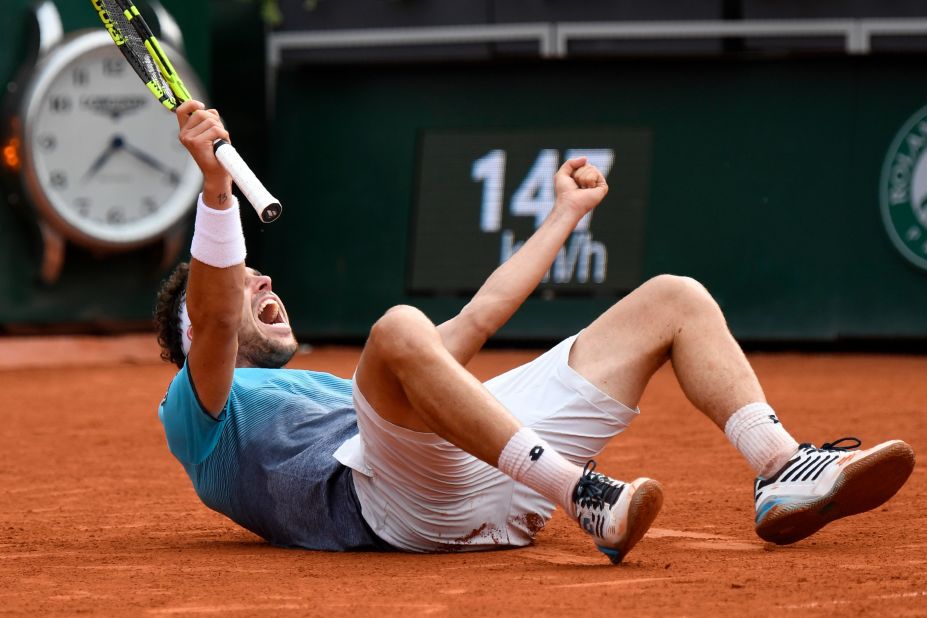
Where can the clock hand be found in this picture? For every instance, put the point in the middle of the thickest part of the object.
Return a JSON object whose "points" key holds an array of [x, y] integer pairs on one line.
{"points": [[114, 145], [150, 161]]}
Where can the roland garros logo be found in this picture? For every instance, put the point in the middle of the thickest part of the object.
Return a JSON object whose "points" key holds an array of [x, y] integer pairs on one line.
{"points": [[903, 190]]}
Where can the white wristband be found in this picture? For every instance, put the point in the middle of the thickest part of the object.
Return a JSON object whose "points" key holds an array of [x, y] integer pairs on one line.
{"points": [[218, 239]]}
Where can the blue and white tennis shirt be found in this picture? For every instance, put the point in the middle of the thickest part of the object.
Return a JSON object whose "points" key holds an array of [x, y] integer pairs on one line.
{"points": [[267, 461]]}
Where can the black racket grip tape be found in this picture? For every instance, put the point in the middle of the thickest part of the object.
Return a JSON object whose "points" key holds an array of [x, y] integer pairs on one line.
{"points": [[271, 213]]}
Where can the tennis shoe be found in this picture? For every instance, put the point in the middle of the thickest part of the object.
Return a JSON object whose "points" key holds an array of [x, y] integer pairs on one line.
{"points": [[819, 485], [614, 513]]}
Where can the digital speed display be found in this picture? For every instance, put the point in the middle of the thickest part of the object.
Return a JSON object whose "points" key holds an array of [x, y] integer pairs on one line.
{"points": [[480, 195]]}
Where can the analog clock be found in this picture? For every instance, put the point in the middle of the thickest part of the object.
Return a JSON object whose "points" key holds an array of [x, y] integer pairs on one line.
{"points": [[101, 159]]}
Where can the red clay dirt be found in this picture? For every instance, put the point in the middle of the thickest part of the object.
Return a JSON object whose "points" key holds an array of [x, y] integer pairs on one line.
{"points": [[97, 518]]}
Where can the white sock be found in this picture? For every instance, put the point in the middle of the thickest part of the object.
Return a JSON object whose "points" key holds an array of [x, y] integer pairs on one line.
{"points": [[756, 432], [533, 462]]}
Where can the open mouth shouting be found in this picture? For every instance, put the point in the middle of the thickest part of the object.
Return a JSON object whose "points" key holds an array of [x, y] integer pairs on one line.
{"points": [[270, 314]]}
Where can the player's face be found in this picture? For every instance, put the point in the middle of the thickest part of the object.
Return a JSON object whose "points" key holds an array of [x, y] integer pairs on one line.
{"points": [[265, 338]]}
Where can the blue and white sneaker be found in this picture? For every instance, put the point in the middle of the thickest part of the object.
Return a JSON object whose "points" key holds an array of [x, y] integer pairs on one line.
{"points": [[616, 514], [819, 485]]}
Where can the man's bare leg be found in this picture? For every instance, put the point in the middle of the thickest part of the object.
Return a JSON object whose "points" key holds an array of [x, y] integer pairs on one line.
{"points": [[800, 489], [668, 318], [412, 381], [676, 319]]}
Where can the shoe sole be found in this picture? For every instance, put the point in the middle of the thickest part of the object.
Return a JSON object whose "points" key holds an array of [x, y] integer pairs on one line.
{"points": [[645, 505], [862, 486]]}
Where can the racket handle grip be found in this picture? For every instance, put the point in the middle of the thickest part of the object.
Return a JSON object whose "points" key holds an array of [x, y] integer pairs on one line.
{"points": [[267, 206]]}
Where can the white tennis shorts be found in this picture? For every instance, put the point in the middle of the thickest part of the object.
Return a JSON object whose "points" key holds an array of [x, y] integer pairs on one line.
{"points": [[420, 493]]}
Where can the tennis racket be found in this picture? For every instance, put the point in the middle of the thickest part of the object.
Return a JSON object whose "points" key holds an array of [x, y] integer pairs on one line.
{"points": [[134, 39]]}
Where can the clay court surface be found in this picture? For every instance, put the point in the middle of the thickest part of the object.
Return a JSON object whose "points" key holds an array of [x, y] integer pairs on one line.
{"points": [[96, 517]]}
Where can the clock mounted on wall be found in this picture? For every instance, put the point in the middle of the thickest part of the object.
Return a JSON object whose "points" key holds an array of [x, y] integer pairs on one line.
{"points": [[101, 165]]}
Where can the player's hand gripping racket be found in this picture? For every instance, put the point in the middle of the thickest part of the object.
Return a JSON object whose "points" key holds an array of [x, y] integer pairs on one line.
{"points": [[136, 42]]}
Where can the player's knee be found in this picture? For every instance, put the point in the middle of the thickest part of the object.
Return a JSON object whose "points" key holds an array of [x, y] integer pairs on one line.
{"points": [[399, 321], [683, 294], [402, 333]]}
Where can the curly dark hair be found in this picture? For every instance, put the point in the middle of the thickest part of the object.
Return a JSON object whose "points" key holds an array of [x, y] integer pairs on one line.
{"points": [[167, 314]]}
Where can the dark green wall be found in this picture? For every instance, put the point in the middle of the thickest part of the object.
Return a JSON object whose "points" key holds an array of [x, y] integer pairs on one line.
{"points": [[764, 184]]}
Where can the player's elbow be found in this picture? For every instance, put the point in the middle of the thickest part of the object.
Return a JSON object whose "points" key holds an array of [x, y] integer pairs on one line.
{"points": [[478, 326], [484, 315]]}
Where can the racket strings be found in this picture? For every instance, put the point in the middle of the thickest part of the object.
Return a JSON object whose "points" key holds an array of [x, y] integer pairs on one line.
{"points": [[135, 51]]}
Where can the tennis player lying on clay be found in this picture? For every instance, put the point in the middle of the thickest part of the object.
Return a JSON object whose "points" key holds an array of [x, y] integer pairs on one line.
{"points": [[414, 453]]}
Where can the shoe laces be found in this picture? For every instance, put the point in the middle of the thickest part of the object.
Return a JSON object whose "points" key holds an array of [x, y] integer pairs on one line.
{"points": [[812, 462], [594, 489], [834, 446]]}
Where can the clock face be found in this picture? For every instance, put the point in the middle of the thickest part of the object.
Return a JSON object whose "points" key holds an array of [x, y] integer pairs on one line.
{"points": [[103, 160]]}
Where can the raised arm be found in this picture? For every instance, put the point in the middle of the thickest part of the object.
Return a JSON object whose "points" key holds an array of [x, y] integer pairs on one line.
{"points": [[214, 294], [579, 188]]}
